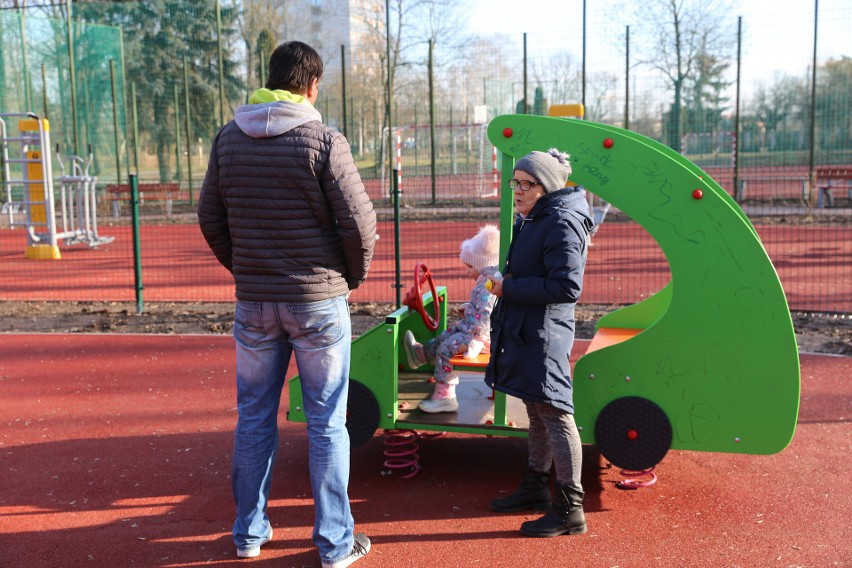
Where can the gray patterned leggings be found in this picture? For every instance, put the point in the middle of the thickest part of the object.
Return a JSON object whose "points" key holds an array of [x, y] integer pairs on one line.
{"points": [[554, 439]]}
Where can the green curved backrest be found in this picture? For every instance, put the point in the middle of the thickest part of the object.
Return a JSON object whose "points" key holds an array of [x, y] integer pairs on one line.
{"points": [[718, 352]]}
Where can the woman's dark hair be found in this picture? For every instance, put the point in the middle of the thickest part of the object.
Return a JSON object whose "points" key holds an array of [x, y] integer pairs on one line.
{"points": [[292, 66]]}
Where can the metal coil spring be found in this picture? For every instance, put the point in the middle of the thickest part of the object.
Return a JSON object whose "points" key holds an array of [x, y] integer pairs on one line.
{"points": [[401, 450], [637, 479]]}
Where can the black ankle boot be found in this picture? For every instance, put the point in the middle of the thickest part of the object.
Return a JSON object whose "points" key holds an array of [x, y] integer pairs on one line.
{"points": [[564, 517], [532, 493]]}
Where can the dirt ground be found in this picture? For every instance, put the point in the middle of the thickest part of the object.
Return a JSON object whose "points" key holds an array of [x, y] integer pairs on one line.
{"points": [[814, 333]]}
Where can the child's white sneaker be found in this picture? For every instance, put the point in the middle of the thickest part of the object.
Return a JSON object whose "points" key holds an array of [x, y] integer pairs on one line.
{"points": [[438, 405], [413, 351], [443, 399]]}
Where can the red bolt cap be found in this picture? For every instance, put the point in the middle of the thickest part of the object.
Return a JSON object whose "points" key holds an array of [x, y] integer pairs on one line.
{"points": [[632, 434], [507, 132], [697, 194], [607, 143]]}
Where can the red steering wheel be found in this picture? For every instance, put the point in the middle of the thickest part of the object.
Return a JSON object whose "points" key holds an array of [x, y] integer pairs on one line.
{"points": [[414, 298]]}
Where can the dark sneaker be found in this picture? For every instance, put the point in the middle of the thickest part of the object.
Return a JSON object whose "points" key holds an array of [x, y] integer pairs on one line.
{"points": [[360, 548]]}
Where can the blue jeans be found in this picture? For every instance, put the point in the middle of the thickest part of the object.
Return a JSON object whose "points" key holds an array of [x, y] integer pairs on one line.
{"points": [[266, 334]]}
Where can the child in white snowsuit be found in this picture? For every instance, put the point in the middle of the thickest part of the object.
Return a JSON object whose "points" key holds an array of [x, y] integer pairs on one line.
{"points": [[471, 334]]}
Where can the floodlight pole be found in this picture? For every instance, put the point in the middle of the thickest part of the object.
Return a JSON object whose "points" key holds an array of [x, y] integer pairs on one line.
{"points": [[389, 109], [524, 98], [221, 64], [583, 81], [115, 121], [343, 84], [626, 79], [72, 73], [811, 171], [736, 144], [432, 166]]}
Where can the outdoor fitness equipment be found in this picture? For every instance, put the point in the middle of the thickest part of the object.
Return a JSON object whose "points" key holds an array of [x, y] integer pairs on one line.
{"points": [[414, 298], [79, 203], [28, 190], [709, 363]]}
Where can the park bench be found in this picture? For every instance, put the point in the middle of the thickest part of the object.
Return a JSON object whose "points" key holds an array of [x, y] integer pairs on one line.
{"points": [[829, 178], [164, 192]]}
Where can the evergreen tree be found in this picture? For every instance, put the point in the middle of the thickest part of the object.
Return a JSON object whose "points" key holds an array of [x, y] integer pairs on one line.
{"points": [[158, 34], [833, 104], [539, 102]]}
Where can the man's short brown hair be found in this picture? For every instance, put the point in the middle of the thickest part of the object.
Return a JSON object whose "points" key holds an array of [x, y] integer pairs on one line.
{"points": [[292, 66]]}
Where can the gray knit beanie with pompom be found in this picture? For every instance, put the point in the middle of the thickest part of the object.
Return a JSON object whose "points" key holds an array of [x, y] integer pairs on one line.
{"points": [[550, 168]]}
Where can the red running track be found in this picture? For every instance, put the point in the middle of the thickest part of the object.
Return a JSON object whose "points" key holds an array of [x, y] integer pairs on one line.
{"points": [[115, 451]]}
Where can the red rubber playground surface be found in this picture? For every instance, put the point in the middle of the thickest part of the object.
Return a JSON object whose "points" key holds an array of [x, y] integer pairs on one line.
{"points": [[115, 451]]}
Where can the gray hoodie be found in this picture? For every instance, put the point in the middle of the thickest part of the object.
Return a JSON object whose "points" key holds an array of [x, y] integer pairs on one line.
{"points": [[271, 119]]}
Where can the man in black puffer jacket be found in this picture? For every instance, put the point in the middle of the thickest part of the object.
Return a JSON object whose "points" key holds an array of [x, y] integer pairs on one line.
{"points": [[283, 208]]}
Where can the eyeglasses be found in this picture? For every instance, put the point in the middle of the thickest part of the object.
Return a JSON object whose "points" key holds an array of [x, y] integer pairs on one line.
{"points": [[525, 185]]}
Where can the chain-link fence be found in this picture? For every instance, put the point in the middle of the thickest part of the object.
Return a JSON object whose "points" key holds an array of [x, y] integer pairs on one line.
{"points": [[149, 84]]}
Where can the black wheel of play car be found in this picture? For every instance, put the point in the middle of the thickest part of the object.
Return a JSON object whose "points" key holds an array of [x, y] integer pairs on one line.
{"points": [[633, 433], [362, 414]]}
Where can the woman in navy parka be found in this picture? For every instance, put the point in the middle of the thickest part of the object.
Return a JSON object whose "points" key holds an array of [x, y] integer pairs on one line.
{"points": [[533, 332]]}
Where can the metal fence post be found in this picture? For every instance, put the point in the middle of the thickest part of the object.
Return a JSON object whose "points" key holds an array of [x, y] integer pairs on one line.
{"points": [[115, 121], [396, 237], [187, 127], [137, 242]]}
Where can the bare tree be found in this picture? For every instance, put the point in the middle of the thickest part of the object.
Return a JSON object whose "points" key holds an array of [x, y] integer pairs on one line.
{"points": [[441, 23], [472, 84], [601, 98], [686, 31], [259, 22], [780, 111], [414, 24], [405, 39], [561, 74]]}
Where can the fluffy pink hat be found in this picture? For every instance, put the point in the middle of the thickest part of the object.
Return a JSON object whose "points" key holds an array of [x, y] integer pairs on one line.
{"points": [[483, 250]]}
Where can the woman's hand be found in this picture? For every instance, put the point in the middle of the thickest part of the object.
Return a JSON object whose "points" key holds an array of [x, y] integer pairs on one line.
{"points": [[495, 285]]}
